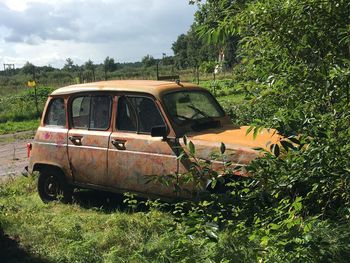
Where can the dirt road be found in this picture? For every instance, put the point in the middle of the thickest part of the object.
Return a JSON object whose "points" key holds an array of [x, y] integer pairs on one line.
{"points": [[13, 153]]}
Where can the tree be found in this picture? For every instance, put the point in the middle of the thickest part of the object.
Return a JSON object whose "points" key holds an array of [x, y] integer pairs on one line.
{"points": [[69, 65], [180, 51], [148, 61], [28, 68], [90, 67], [109, 64], [47, 68], [191, 49]]}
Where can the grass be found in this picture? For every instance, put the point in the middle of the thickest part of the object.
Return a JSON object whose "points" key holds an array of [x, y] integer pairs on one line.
{"points": [[232, 98], [100, 227], [17, 126], [87, 231]]}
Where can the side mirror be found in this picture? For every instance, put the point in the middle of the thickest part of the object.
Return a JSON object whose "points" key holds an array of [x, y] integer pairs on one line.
{"points": [[159, 131]]}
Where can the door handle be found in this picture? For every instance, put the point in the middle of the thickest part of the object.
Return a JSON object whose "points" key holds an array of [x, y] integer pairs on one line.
{"points": [[76, 139], [119, 144]]}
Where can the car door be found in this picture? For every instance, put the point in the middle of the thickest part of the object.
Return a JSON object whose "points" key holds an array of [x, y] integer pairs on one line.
{"points": [[134, 156], [88, 137], [50, 143]]}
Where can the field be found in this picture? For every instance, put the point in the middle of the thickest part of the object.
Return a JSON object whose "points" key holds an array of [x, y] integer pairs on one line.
{"points": [[98, 227], [101, 227]]}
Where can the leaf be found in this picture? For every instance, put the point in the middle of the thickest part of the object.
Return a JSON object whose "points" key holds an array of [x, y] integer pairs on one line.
{"points": [[294, 140], [185, 139], [211, 234], [275, 149], [274, 226], [256, 131], [258, 149], [287, 145], [249, 130], [213, 183], [191, 148], [191, 231], [264, 240], [222, 148], [180, 156]]}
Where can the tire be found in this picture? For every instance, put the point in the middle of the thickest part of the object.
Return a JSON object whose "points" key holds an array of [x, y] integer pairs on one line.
{"points": [[52, 187]]}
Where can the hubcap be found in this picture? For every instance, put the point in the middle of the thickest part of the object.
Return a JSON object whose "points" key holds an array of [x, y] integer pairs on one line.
{"points": [[52, 187]]}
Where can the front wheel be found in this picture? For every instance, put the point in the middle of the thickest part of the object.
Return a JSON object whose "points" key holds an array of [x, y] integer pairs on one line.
{"points": [[52, 187]]}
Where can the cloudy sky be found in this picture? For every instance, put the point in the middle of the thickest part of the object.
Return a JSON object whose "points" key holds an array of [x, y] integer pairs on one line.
{"points": [[49, 31]]}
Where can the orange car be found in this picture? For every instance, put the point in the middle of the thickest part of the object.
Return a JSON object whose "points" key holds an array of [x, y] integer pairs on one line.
{"points": [[113, 135]]}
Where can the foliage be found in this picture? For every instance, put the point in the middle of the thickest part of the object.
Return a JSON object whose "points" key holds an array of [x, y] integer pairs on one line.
{"points": [[149, 61], [21, 107], [90, 231], [28, 68], [295, 72], [69, 64], [240, 227], [17, 126], [109, 64], [192, 51]]}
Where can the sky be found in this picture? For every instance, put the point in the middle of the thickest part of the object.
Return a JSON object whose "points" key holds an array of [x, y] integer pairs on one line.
{"points": [[47, 32]]}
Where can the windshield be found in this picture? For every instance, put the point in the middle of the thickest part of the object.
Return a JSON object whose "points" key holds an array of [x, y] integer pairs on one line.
{"points": [[187, 107]]}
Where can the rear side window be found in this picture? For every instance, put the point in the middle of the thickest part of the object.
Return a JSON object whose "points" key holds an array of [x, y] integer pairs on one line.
{"points": [[138, 114], [91, 112], [56, 113]]}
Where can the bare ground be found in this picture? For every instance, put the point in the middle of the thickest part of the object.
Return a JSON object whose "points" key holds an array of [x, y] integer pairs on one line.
{"points": [[13, 153]]}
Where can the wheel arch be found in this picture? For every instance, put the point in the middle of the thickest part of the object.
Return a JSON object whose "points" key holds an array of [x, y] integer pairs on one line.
{"points": [[50, 167]]}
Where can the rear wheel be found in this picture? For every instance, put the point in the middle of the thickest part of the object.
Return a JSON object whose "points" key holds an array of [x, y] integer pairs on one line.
{"points": [[52, 187]]}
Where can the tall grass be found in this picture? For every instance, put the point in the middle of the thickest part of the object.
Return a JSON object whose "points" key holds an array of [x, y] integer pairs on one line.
{"points": [[22, 106], [17, 126], [84, 232], [99, 227]]}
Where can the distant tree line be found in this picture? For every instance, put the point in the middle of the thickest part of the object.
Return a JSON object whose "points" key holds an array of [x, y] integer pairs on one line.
{"points": [[89, 71]]}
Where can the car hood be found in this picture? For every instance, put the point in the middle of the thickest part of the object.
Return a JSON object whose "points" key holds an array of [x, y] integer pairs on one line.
{"points": [[239, 145]]}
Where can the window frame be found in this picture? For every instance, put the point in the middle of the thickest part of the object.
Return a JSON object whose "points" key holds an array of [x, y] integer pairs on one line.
{"points": [[119, 96], [90, 94]]}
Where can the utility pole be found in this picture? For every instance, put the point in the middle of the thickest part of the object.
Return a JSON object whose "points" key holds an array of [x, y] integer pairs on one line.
{"points": [[157, 70], [33, 84], [8, 67]]}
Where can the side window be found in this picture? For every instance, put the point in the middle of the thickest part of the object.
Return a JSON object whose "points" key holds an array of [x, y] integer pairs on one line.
{"points": [[81, 112], [56, 113], [91, 112], [100, 112], [126, 119], [138, 114]]}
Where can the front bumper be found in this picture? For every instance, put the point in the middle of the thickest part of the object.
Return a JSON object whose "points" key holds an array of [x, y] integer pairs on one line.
{"points": [[25, 171]]}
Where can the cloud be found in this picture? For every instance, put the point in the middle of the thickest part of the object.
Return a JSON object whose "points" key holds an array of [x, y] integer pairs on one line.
{"points": [[124, 29], [94, 21], [40, 21]]}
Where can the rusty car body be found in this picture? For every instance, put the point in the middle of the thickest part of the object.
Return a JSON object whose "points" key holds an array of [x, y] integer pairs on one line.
{"points": [[112, 135]]}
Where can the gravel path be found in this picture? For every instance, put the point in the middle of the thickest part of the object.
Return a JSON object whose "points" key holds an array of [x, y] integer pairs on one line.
{"points": [[13, 154]]}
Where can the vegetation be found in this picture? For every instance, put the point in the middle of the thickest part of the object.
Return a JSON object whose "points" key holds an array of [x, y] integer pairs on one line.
{"points": [[295, 68], [22, 105], [18, 111], [18, 126]]}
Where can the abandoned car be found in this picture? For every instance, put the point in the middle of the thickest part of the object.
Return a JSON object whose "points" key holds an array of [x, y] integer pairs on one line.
{"points": [[113, 135]]}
